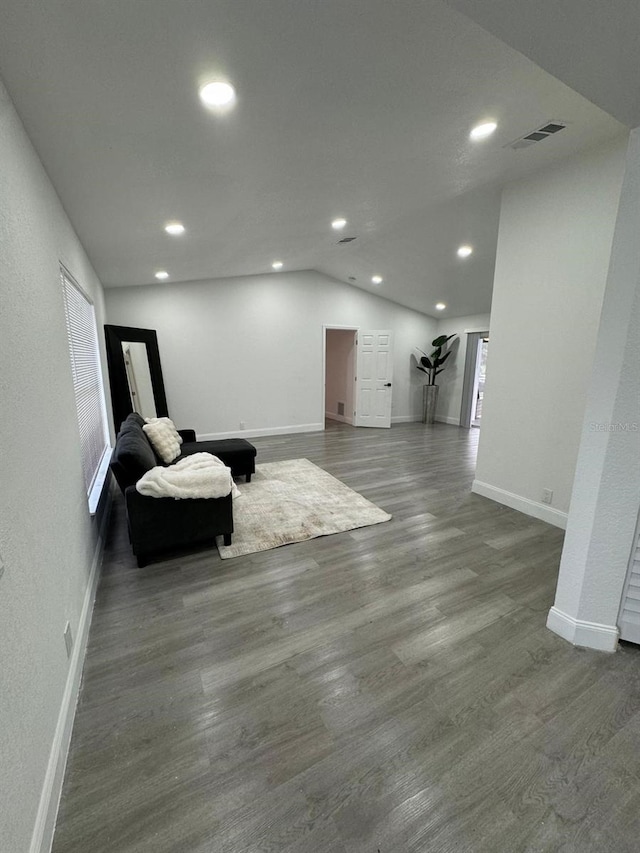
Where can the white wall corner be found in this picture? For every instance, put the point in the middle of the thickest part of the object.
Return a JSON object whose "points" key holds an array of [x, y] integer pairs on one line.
{"points": [[522, 504], [590, 635], [44, 828]]}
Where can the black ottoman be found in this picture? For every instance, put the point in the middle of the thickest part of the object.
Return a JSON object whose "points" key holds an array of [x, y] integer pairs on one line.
{"points": [[236, 453]]}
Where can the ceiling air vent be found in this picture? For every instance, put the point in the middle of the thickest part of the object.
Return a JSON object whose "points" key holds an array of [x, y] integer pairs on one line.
{"points": [[347, 240], [538, 135]]}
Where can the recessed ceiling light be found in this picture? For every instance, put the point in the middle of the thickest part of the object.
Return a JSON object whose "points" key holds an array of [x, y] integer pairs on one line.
{"points": [[464, 251], [217, 94], [481, 131], [440, 306], [174, 228], [376, 279], [338, 224], [162, 275], [277, 265]]}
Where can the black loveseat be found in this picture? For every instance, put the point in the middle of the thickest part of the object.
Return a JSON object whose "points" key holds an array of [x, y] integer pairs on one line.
{"points": [[157, 525]]}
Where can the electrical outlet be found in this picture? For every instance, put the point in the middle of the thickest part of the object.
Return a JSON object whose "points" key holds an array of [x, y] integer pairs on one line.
{"points": [[547, 496], [68, 639], [242, 424]]}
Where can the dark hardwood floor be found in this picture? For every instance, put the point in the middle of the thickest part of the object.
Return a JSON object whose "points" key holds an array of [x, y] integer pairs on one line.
{"points": [[389, 689]]}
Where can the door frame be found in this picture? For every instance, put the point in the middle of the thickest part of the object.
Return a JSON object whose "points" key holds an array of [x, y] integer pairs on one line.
{"points": [[325, 326], [469, 382]]}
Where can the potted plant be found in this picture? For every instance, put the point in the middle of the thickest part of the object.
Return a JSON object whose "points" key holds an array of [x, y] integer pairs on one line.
{"points": [[432, 366]]}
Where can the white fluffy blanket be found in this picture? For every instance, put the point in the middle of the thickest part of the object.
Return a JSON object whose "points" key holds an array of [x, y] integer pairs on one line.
{"points": [[201, 475]]}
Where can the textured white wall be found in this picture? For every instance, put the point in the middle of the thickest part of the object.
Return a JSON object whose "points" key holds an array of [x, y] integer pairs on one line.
{"points": [[250, 349], [339, 372], [606, 491], [452, 380], [46, 536], [554, 245]]}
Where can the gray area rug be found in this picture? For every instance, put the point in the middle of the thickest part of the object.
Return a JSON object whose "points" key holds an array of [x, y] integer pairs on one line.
{"points": [[292, 501]]}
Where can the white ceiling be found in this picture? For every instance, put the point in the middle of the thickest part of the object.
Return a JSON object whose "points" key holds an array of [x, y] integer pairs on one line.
{"points": [[591, 45], [359, 108]]}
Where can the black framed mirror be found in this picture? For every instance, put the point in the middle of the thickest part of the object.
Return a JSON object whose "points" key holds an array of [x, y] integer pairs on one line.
{"points": [[135, 373]]}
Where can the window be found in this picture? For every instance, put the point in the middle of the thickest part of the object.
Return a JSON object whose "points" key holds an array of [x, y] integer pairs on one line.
{"points": [[87, 384]]}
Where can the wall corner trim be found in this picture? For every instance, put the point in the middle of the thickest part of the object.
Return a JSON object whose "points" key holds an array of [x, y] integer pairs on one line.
{"points": [[448, 420], [45, 824], [590, 635], [525, 505]]}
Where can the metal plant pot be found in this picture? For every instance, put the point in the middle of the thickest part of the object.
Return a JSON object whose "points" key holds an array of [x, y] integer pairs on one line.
{"points": [[429, 403]]}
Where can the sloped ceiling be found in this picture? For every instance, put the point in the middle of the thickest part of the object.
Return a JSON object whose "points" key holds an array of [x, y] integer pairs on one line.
{"points": [[591, 45], [360, 109]]}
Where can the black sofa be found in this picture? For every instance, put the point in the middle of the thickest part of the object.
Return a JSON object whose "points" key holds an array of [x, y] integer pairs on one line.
{"points": [[158, 525]]}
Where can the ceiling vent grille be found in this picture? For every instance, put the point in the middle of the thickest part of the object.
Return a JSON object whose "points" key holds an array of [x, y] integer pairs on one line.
{"points": [[346, 240], [548, 129]]}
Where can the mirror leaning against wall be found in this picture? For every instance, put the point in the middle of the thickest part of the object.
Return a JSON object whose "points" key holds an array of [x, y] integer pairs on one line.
{"points": [[135, 373]]}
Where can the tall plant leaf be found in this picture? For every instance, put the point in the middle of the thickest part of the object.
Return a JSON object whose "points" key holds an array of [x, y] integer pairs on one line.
{"points": [[442, 340]]}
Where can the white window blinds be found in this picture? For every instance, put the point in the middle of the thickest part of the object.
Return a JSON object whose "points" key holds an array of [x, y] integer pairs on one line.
{"points": [[87, 378]]}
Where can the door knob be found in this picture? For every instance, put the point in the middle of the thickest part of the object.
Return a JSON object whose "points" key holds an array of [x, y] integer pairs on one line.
{"points": [[387, 385]]}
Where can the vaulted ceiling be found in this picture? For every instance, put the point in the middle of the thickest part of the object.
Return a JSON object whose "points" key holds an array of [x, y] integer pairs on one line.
{"points": [[354, 108]]}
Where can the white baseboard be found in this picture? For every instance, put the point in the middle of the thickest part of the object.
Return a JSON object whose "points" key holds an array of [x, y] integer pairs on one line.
{"points": [[340, 418], [525, 505], [416, 419], [256, 433], [42, 837], [591, 635], [298, 428], [405, 419]]}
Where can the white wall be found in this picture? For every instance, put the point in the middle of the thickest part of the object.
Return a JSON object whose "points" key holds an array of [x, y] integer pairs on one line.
{"points": [[452, 379], [553, 252], [339, 373], [250, 349], [47, 539], [606, 490]]}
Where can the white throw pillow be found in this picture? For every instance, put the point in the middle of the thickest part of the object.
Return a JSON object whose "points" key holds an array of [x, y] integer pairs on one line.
{"points": [[163, 440], [169, 423]]}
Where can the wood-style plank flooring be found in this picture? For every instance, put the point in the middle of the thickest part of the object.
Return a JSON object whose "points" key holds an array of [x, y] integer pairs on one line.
{"points": [[389, 689]]}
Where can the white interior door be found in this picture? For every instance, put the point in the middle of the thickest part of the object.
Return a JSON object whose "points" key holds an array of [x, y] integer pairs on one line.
{"points": [[374, 378]]}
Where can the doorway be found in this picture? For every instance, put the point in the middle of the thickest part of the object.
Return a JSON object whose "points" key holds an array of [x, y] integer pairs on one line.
{"points": [[340, 373], [478, 385], [475, 369]]}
